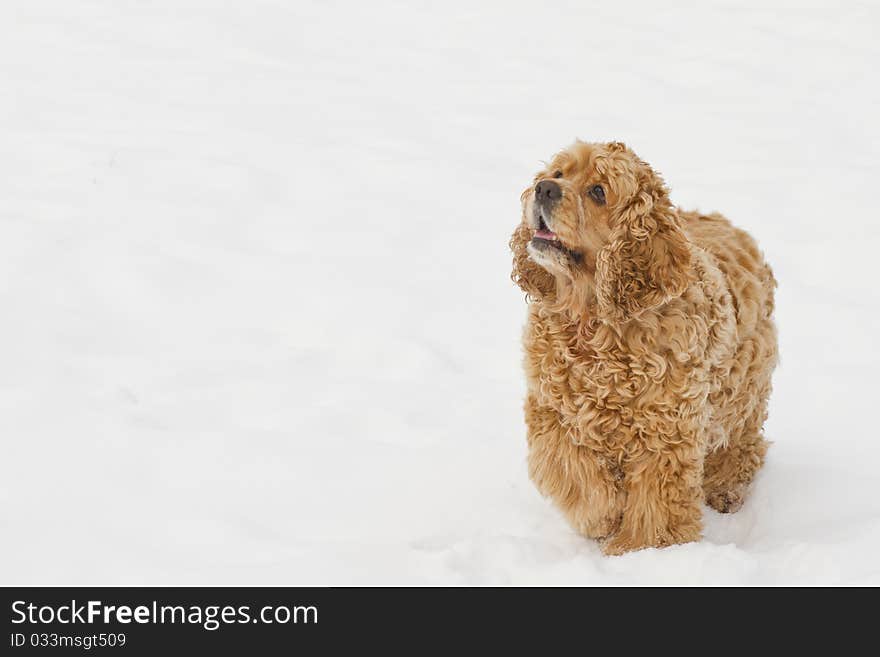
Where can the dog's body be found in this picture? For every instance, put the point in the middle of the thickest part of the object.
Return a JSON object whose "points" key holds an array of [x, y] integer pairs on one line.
{"points": [[649, 350]]}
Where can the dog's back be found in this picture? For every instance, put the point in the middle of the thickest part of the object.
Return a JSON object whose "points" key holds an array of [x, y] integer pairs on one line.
{"points": [[749, 277], [741, 382]]}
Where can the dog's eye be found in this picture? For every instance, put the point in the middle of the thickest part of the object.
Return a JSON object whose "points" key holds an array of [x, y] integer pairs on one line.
{"points": [[598, 194], [557, 174]]}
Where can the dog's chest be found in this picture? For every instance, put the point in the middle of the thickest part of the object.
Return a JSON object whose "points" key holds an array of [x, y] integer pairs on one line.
{"points": [[564, 368], [585, 374]]}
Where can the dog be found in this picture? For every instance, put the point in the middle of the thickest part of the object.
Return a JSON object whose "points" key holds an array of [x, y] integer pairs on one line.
{"points": [[649, 349]]}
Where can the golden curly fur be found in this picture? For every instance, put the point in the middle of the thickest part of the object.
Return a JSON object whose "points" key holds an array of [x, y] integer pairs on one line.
{"points": [[649, 349]]}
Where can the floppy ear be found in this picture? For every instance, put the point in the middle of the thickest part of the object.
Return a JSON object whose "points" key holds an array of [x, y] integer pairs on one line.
{"points": [[535, 281], [646, 263]]}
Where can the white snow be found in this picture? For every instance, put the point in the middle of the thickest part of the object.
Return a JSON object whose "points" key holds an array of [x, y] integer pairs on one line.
{"points": [[257, 320]]}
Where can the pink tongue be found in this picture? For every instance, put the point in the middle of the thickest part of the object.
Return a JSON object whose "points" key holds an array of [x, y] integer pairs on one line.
{"points": [[545, 234]]}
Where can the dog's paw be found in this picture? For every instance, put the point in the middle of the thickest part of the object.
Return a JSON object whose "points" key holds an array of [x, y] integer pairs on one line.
{"points": [[727, 501], [621, 543], [615, 546]]}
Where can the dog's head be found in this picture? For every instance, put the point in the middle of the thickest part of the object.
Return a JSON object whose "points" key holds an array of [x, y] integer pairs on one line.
{"points": [[598, 231]]}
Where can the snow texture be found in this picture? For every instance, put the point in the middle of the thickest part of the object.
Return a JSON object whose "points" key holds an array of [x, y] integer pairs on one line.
{"points": [[257, 320]]}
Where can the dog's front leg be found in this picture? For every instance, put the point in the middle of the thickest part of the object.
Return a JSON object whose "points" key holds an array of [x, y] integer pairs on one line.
{"points": [[663, 498]]}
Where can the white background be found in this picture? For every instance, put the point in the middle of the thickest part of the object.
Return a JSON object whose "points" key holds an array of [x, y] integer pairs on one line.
{"points": [[257, 325]]}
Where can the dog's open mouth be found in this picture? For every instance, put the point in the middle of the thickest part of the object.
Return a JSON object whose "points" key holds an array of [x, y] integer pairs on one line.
{"points": [[546, 239], [544, 233]]}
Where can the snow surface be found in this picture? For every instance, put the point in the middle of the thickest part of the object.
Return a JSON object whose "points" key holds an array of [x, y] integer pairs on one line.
{"points": [[258, 326]]}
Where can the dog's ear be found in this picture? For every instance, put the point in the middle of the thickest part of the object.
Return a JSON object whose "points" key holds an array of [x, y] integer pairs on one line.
{"points": [[647, 261], [535, 281]]}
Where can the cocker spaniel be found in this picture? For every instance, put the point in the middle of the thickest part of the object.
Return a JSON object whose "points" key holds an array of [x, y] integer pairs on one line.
{"points": [[649, 348]]}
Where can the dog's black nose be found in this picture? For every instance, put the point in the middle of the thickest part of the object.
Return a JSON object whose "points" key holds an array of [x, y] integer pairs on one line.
{"points": [[548, 191]]}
